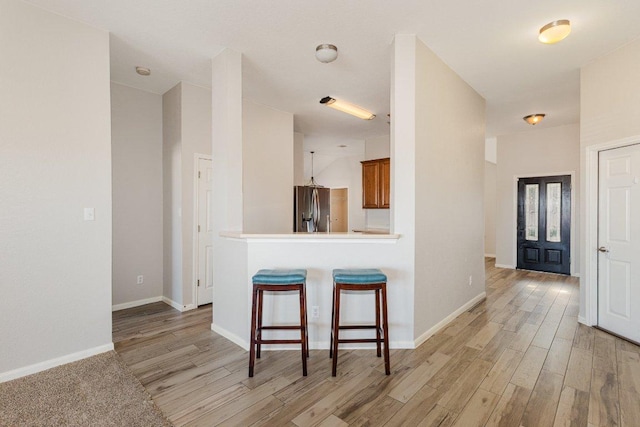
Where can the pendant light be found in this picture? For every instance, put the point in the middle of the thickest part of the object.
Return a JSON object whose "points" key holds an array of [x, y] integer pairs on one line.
{"points": [[312, 182]]}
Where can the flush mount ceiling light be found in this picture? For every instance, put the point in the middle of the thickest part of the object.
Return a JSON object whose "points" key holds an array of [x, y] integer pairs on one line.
{"points": [[326, 53], [143, 71], [533, 119], [347, 107], [554, 31]]}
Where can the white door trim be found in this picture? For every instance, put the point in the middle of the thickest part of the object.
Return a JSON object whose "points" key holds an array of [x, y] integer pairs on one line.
{"points": [[589, 269], [194, 253], [514, 231]]}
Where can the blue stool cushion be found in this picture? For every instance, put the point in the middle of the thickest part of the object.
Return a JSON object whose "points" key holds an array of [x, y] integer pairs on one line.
{"points": [[359, 276], [280, 277]]}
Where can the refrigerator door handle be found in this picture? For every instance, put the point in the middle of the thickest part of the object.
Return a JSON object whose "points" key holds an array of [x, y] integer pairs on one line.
{"points": [[315, 206]]}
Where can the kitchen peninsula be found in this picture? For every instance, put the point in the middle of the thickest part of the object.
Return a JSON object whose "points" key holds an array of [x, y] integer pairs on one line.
{"points": [[319, 254], [434, 265]]}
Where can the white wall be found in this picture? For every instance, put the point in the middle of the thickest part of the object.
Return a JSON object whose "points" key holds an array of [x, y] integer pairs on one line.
{"points": [[267, 181], [346, 172], [298, 159], [186, 132], [490, 196], [609, 111], [226, 125], [403, 165], [490, 203], [55, 139], [538, 152], [196, 139], [491, 150], [449, 165], [377, 148], [172, 193], [610, 96], [136, 155]]}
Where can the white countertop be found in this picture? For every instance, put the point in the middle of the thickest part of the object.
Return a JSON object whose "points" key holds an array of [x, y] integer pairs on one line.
{"points": [[311, 236]]}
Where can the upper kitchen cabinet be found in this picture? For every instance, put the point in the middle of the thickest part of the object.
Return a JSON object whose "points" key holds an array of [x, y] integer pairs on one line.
{"points": [[375, 183]]}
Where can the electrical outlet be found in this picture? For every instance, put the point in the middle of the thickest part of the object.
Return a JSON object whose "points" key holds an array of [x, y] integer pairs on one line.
{"points": [[140, 280], [315, 312], [470, 280]]}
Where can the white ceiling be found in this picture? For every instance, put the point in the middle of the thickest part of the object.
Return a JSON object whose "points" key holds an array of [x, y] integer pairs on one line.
{"points": [[491, 44]]}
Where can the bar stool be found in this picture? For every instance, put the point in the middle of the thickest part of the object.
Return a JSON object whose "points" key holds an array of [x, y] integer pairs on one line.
{"points": [[360, 280], [278, 281]]}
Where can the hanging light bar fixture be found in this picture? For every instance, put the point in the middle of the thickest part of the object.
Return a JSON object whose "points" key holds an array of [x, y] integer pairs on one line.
{"points": [[347, 107]]}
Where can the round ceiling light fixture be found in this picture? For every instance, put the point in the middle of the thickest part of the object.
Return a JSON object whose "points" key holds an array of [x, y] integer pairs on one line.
{"points": [[326, 53], [555, 31], [533, 119], [143, 71]]}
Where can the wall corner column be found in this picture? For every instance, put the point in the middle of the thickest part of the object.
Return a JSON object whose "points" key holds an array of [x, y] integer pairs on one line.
{"points": [[230, 281]]}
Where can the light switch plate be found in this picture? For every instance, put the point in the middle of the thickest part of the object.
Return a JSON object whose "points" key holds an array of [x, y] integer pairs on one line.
{"points": [[89, 214]]}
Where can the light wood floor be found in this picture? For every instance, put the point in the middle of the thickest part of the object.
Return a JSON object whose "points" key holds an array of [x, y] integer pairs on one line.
{"points": [[519, 358]]}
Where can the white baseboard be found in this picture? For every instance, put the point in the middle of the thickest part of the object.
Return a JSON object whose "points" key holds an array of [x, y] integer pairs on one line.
{"points": [[137, 303], [576, 275], [583, 321], [444, 322], [512, 267], [52, 363], [189, 307], [230, 336], [489, 255], [177, 306]]}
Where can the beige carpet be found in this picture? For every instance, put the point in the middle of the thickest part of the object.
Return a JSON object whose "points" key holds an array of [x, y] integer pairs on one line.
{"points": [[98, 391]]}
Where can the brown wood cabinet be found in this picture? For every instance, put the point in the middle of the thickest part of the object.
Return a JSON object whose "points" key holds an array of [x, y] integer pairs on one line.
{"points": [[375, 183]]}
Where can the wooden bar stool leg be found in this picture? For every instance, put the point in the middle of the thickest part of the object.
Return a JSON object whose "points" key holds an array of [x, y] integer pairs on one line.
{"points": [[378, 337], [385, 326], [306, 318], [252, 350], [303, 332], [336, 331], [259, 329], [333, 316]]}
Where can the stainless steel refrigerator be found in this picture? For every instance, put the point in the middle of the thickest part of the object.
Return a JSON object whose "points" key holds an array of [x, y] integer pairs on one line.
{"points": [[311, 206]]}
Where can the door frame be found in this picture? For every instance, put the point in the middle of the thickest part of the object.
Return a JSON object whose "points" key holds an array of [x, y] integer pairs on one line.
{"points": [[589, 255], [194, 253], [514, 228]]}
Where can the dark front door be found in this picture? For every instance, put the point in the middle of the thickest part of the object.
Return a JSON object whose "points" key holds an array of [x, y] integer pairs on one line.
{"points": [[544, 224]]}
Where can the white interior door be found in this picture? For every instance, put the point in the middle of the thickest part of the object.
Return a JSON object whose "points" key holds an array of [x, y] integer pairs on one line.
{"points": [[619, 241], [204, 232]]}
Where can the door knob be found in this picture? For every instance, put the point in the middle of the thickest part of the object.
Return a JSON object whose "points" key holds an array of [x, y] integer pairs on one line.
{"points": [[603, 249]]}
